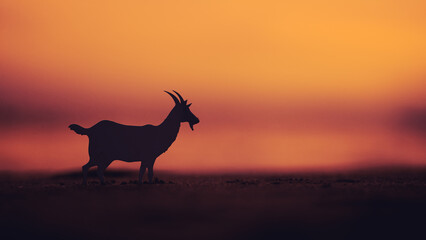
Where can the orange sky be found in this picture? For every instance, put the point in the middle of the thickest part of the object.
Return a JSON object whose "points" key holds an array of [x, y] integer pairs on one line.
{"points": [[276, 84]]}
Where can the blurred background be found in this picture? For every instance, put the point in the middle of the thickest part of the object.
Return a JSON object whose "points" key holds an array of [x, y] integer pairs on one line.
{"points": [[277, 85]]}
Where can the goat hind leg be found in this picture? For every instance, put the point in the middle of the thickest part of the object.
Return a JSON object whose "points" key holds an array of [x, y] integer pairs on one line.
{"points": [[101, 169], [85, 169]]}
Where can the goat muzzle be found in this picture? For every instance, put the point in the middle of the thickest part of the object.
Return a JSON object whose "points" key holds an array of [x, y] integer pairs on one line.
{"points": [[191, 124]]}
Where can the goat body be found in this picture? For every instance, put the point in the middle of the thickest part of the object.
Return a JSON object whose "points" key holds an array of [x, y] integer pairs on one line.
{"points": [[109, 141]]}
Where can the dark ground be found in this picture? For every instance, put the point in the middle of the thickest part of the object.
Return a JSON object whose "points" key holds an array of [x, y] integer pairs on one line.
{"points": [[357, 205]]}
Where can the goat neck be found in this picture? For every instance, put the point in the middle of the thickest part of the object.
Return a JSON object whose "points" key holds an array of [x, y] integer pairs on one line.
{"points": [[170, 126]]}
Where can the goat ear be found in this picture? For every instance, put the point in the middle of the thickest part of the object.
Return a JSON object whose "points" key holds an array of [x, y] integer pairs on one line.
{"points": [[189, 105], [185, 102]]}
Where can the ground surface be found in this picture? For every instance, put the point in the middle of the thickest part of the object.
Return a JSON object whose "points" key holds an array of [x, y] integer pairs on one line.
{"points": [[365, 204]]}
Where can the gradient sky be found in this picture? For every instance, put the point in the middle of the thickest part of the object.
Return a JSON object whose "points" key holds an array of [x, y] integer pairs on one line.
{"points": [[276, 84]]}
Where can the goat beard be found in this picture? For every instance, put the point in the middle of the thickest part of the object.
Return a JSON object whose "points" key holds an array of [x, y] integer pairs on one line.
{"points": [[191, 126]]}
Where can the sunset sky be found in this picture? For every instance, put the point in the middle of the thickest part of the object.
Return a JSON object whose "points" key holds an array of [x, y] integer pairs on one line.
{"points": [[277, 85]]}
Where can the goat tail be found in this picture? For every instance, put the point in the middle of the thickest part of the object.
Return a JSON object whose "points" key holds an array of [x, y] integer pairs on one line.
{"points": [[79, 129]]}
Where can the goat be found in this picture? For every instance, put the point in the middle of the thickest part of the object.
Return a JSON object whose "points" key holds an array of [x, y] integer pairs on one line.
{"points": [[109, 141]]}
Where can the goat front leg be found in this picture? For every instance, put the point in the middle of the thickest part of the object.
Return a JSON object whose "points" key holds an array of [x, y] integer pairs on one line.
{"points": [[100, 172], [150, 173], [141, 172]]}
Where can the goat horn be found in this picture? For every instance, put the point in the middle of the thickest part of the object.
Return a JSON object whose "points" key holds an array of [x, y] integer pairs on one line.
{"points": [[180, 97], [174, 98]]}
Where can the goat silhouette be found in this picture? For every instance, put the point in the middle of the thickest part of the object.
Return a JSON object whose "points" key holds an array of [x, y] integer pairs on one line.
{"points": [[109, 141]]}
